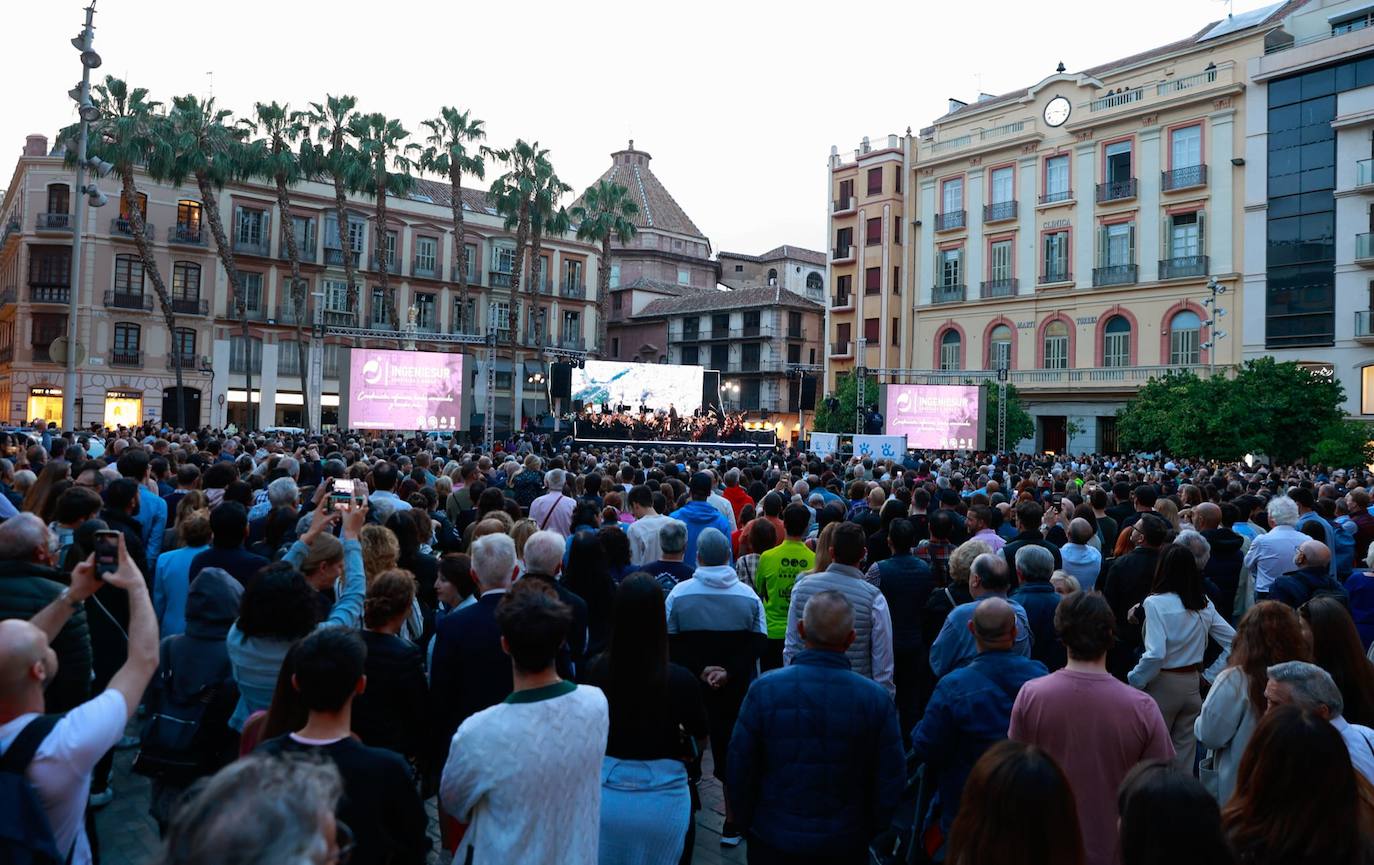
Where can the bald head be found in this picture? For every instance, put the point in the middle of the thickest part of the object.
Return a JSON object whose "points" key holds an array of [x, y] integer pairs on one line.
{"points": [[1080, 531], [827, 622], [1313, 554], [993, 625], [1206, 516], [26, 664]]}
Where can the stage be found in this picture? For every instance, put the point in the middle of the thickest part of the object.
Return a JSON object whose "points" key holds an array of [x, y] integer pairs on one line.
{"points": [[669, 445], [616, 434]]}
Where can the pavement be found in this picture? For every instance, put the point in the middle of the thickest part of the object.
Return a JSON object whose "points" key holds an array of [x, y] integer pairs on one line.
{"points": [[128, 836]]}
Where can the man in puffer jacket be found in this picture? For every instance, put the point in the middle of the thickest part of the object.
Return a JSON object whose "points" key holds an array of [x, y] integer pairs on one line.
{"points": [[816, 762]]}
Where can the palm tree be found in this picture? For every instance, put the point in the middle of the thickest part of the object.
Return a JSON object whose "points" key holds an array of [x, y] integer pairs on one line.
{"points": [[381, 148], [128, 133], [546, 217], [513, 194], [275, 157], [605, 213], [336, 156], [449, 155], [200, 142]]}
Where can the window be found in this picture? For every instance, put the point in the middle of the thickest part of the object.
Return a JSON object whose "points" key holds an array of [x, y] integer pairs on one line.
{"points": [[751, 395], [815, 284], [288, 357], [125, 209], [896, 279], [615, 346], [1001, 184], [684, 276], [1117, 167], [1055, 254], [846, 191], [875, 181], [951, 272], [749, 355], [872, 329], [873, 280], [500, 311], [999, 263], [250, 227], [243, 357], [186, 281], [426, 254], [897, 231], [252, 290], [691, 327], [1184, 233], [1116, 342], [739, 268], [128, 275], [896, 330], [336, 296], [464, 317], [615, 276], [1056, 345], [950, 350], [873, 235], [1185, 147], [772, 276], [794, 353], [617, 302], [188, 216], [720, 325], [48, 327], [1351, 23], [720, 357], [50, 266], [844, 284], [126, 338], [331, 360], [303, 229], [59, 198], [469, 266], [1057, 179], [572, 327], [843, 334], [999, 347], [690, 355], [844, 238], [425, 316], [381, 310], [1185, 339], [1116, 245], [753, 321], [184, 344], [391, 241], [357, 230], [952, 196], [503, 259]]}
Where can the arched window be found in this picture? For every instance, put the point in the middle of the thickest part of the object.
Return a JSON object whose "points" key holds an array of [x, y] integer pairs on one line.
{"points": [[1185, 339], [999, 347], [814, 282], [772, 276], [950, 346], [1116, 342], [1056, 345]]}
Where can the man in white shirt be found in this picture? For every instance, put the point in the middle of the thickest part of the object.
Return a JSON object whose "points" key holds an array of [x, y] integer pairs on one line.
{"points": [[384, 501], [1080, 559], [644, 531], [1271, 554], [721, 503], [1309, 687], [60, 770], [553, 511]]}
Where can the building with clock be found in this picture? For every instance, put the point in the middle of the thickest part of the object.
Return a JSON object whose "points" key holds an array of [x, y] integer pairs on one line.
{"points": [[1085, 232]]}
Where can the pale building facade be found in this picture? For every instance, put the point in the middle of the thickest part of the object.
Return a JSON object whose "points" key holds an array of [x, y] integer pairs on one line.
{"points": [[791, 268]]}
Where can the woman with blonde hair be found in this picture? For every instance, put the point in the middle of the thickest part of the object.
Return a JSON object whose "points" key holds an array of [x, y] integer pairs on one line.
{"points": [[946, 598], [381, 551], [1169, 511], [520, 532]]}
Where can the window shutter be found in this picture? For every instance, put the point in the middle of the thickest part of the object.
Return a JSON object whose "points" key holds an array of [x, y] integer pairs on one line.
{"points": [[1130, 244], [1102, 259], [1166, 238], [1201, 233]]}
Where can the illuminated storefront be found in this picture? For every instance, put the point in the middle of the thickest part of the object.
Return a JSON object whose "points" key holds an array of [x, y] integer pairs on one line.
{"points": [[123, 408], [45, 403]]}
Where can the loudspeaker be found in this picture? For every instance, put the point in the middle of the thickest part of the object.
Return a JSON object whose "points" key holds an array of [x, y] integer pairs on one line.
{"points": [[808, 393], [560, 380], [710, 388]]}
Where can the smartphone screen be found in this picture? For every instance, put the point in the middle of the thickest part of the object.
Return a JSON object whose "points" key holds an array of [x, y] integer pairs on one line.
{"points": [[106, 552], [341, 494]]}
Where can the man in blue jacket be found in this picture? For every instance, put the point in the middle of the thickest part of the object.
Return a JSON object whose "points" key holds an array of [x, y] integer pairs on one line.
{"points": [[815, 764], [699, 515], [971, 707]]}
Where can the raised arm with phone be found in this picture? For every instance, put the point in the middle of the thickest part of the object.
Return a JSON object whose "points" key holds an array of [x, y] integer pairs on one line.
{"points": [[348, 608]]}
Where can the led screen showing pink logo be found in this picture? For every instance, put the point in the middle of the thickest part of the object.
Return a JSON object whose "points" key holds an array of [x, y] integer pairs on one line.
{"points": [[934, 416], [405, 390]]}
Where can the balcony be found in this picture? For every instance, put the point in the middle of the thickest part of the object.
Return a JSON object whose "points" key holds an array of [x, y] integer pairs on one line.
{"points": [[947, 293], [1116, 190], [129, 300], [287, 314], [341, 317], [842, 300], [49, 293], [842, 348], [305, 251], [499, 278], [12, 229], [54, 222], [1058, 196], [426, 268], [1114, 274], [1364, 173], [335, 257], [187, 234], [1187, 177], [795, 333], [842, 253], [381, 317], [572, 342], [1051, 277], [262, 246], [950, 221], [1183, 266], [392, 266], [842, 205], [1364, 249], [188, 361], [123, 227], [1116, 378], [189, 306], [8, 296], [126, 357], [997, 288], [1364, 326], [999, 211], [1116, 100], [573, 290], [249, 314]]}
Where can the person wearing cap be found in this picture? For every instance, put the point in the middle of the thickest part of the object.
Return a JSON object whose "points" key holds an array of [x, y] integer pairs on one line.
{"points": [[553, 511], [699, 515]]}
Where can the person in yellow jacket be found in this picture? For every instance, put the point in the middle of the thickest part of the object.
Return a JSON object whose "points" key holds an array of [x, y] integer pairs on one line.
{"points": [[777, 571]]}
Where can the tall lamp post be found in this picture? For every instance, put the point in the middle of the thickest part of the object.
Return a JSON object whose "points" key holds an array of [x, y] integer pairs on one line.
{"points": [[1215, 313]]}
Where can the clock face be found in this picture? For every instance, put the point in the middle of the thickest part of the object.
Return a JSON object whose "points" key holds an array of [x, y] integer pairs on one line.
{"points": [[1057, 111]]}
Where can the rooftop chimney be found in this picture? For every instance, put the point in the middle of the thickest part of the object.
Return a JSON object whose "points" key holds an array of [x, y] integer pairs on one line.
{"points": [[36, 145]]}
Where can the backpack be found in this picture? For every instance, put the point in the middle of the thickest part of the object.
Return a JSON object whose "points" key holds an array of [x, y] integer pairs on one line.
{"points": [[26, 836], [171, 747]]}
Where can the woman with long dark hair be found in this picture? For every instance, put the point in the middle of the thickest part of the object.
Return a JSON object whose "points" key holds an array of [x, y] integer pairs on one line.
{"points": [[658, 727], [1336, 648], [588, 575], [1179, 618], [1020, 790], [1168, 818], [1298, 799]]}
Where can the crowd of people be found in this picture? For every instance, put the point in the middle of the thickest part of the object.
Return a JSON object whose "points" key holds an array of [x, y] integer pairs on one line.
{"points": [[709, 425], [977, 660]]}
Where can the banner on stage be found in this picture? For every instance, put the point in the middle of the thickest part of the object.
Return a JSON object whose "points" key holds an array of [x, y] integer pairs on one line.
{"points": [[824, 444], [880, 447]]}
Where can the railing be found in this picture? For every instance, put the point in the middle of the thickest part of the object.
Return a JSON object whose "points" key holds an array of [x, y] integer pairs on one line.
{"points": [[380, 263], [1056, 196], [185, 233], [426, 267], [262, 246], [1364, 247], [49, 293], [1114, 376], [124, 357], [54, 222], [288, 312], [947, 221], [240, 365], [9, 295], [1116, 190], [1183, 178], [840, 253], [1364, 172], [187, 306], [335, 257], [1114, 274], [1057, 275], [574, 290], [1364, 323], [947, 293], [128, 300], [340, 317], [188, 361], [795, 333], [499, 279], [841, 300], [125, 227], [1164, 88], [842, 205], [572, 341], [1183, 265], [11, 229], [7, 354], [42, 352], [304, 251], [840, 348], [998, 288], [1115, 100], [999, 211], [951, 144], [381, 316], [1002, 131]]}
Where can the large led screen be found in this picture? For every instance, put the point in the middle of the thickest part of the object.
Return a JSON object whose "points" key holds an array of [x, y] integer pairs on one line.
{"points": [[656, 385], [405, 390], [935, 416]]}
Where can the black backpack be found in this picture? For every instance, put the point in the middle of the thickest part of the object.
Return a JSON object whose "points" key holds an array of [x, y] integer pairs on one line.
{"points": [[172, 747], [26, 836]]}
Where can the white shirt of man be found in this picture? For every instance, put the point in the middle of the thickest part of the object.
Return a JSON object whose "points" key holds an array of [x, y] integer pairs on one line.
{"points": [[553, 512], [644, 535], [61, 769], [1359, 739], [1271, 555]]}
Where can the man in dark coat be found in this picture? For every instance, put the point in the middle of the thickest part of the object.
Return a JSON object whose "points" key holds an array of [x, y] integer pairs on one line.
{"points": [[1028, 518], [907, 582], [1222, 573], [1127, 583]]}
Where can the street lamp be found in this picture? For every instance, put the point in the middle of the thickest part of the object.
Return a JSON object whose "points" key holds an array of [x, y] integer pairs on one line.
{"points": [[1215, 290]]}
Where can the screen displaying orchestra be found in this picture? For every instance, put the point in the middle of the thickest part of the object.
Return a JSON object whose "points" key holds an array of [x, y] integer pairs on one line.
{"points": [[622, 423]]}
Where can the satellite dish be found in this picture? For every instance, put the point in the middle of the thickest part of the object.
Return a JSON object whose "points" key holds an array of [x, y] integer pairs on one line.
{"points": [[57, 350]]}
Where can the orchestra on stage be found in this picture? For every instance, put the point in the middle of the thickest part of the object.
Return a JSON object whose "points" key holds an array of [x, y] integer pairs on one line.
{"points": [[621, 423]]}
